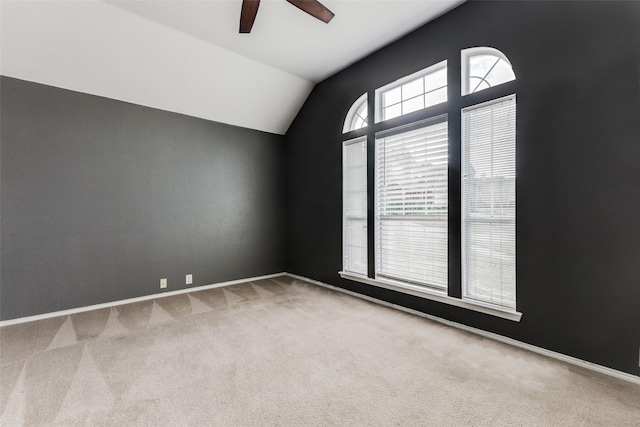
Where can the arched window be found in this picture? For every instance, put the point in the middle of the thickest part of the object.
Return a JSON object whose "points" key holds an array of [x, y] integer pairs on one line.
{"points": [[484, 67], [397, 188], [357, 115]]}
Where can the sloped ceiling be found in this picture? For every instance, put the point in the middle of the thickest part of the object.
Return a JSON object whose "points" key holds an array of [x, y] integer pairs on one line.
{"points": [[187, 56]]}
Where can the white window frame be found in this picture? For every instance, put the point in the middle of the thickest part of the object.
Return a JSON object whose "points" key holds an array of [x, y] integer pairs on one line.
{"points": [[467, 294], [425, 292], [465, 54], [417, 75], [345, 218], [353, 112], [403, 283]]}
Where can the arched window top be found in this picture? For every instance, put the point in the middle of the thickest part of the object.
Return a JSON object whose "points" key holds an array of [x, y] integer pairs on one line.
{"points": [[484, 67], [357, 115]]}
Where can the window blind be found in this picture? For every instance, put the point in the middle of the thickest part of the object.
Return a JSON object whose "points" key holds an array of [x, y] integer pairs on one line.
{"points": [[411, 206], [355, 206], [489, 202]]}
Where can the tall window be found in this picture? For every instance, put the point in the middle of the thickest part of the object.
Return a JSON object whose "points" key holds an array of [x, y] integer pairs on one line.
{"points": [[411, 204], [489, 202], [354, 237], [415, 231]]}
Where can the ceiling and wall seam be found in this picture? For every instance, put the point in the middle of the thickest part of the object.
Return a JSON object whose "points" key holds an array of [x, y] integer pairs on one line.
{"points": [[151, 54], [99, 49]]}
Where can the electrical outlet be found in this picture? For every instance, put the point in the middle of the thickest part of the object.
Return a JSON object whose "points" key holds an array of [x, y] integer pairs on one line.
{"points": [[163, 283], [189, 279]]}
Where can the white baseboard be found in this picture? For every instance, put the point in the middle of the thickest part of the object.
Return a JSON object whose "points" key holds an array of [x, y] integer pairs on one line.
{"points": [[131, 300], [548, 353]]}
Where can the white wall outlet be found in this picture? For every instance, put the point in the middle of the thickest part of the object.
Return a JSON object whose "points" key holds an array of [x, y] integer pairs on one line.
{"points": [[189, 279], [163, 283]]}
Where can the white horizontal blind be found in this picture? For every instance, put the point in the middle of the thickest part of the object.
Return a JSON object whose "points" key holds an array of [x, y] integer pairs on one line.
{"points": [[411, 206], [355, 206], [489, 202]]}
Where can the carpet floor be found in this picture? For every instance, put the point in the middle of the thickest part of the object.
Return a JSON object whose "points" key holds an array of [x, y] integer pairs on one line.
{"points": [[283, 352]]}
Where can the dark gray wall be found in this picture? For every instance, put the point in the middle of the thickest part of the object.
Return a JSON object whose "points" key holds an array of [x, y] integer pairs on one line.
{"points": [[578, 159], [100, 199]]}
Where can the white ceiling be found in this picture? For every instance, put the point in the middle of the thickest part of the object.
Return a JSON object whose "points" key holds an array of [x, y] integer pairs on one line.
{"points": [[187, 56], [289, 39]]}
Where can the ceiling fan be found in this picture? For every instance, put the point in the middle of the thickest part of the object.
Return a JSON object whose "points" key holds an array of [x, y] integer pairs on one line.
{"points": [[312, 7]]}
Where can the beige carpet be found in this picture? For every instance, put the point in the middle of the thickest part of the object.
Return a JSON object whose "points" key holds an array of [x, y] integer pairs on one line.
{"points": [[284, 352]]}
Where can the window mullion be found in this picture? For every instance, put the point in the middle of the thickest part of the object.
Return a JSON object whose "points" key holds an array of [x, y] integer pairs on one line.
{"points": [[371, 184], [455, 196]]}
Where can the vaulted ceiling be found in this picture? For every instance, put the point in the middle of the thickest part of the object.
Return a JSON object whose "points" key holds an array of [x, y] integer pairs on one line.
{"points": [[188, 57]]}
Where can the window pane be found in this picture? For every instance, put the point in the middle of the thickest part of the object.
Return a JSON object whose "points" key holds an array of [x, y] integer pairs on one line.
{"points": [[411, 206], [355, 234], [412, 89], [413, 104], [393, 111], [362, 111], [489, 202], [355, 206], [357, 115], [480, 65], [435, 97], [436, 80], [477, 84], [414, 251], [483, 68], [491, 263], [501, 73], [391, 97]]}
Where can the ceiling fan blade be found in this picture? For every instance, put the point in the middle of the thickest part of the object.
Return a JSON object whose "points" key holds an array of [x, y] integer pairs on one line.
{"points": [[248, 15], [313, 8]]}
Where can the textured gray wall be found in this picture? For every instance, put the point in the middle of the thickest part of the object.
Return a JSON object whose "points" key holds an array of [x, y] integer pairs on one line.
{"points": [[100, 199]]}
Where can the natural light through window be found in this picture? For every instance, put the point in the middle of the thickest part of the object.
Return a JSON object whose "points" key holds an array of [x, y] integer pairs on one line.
{"points": [[354, 155], [357, 115], [429, 200], [411, 207], [489, 202], [416, 92], [483, 68]]}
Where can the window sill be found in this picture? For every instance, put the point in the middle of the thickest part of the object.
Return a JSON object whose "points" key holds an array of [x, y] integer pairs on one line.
{"points": [[436, 296]]}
